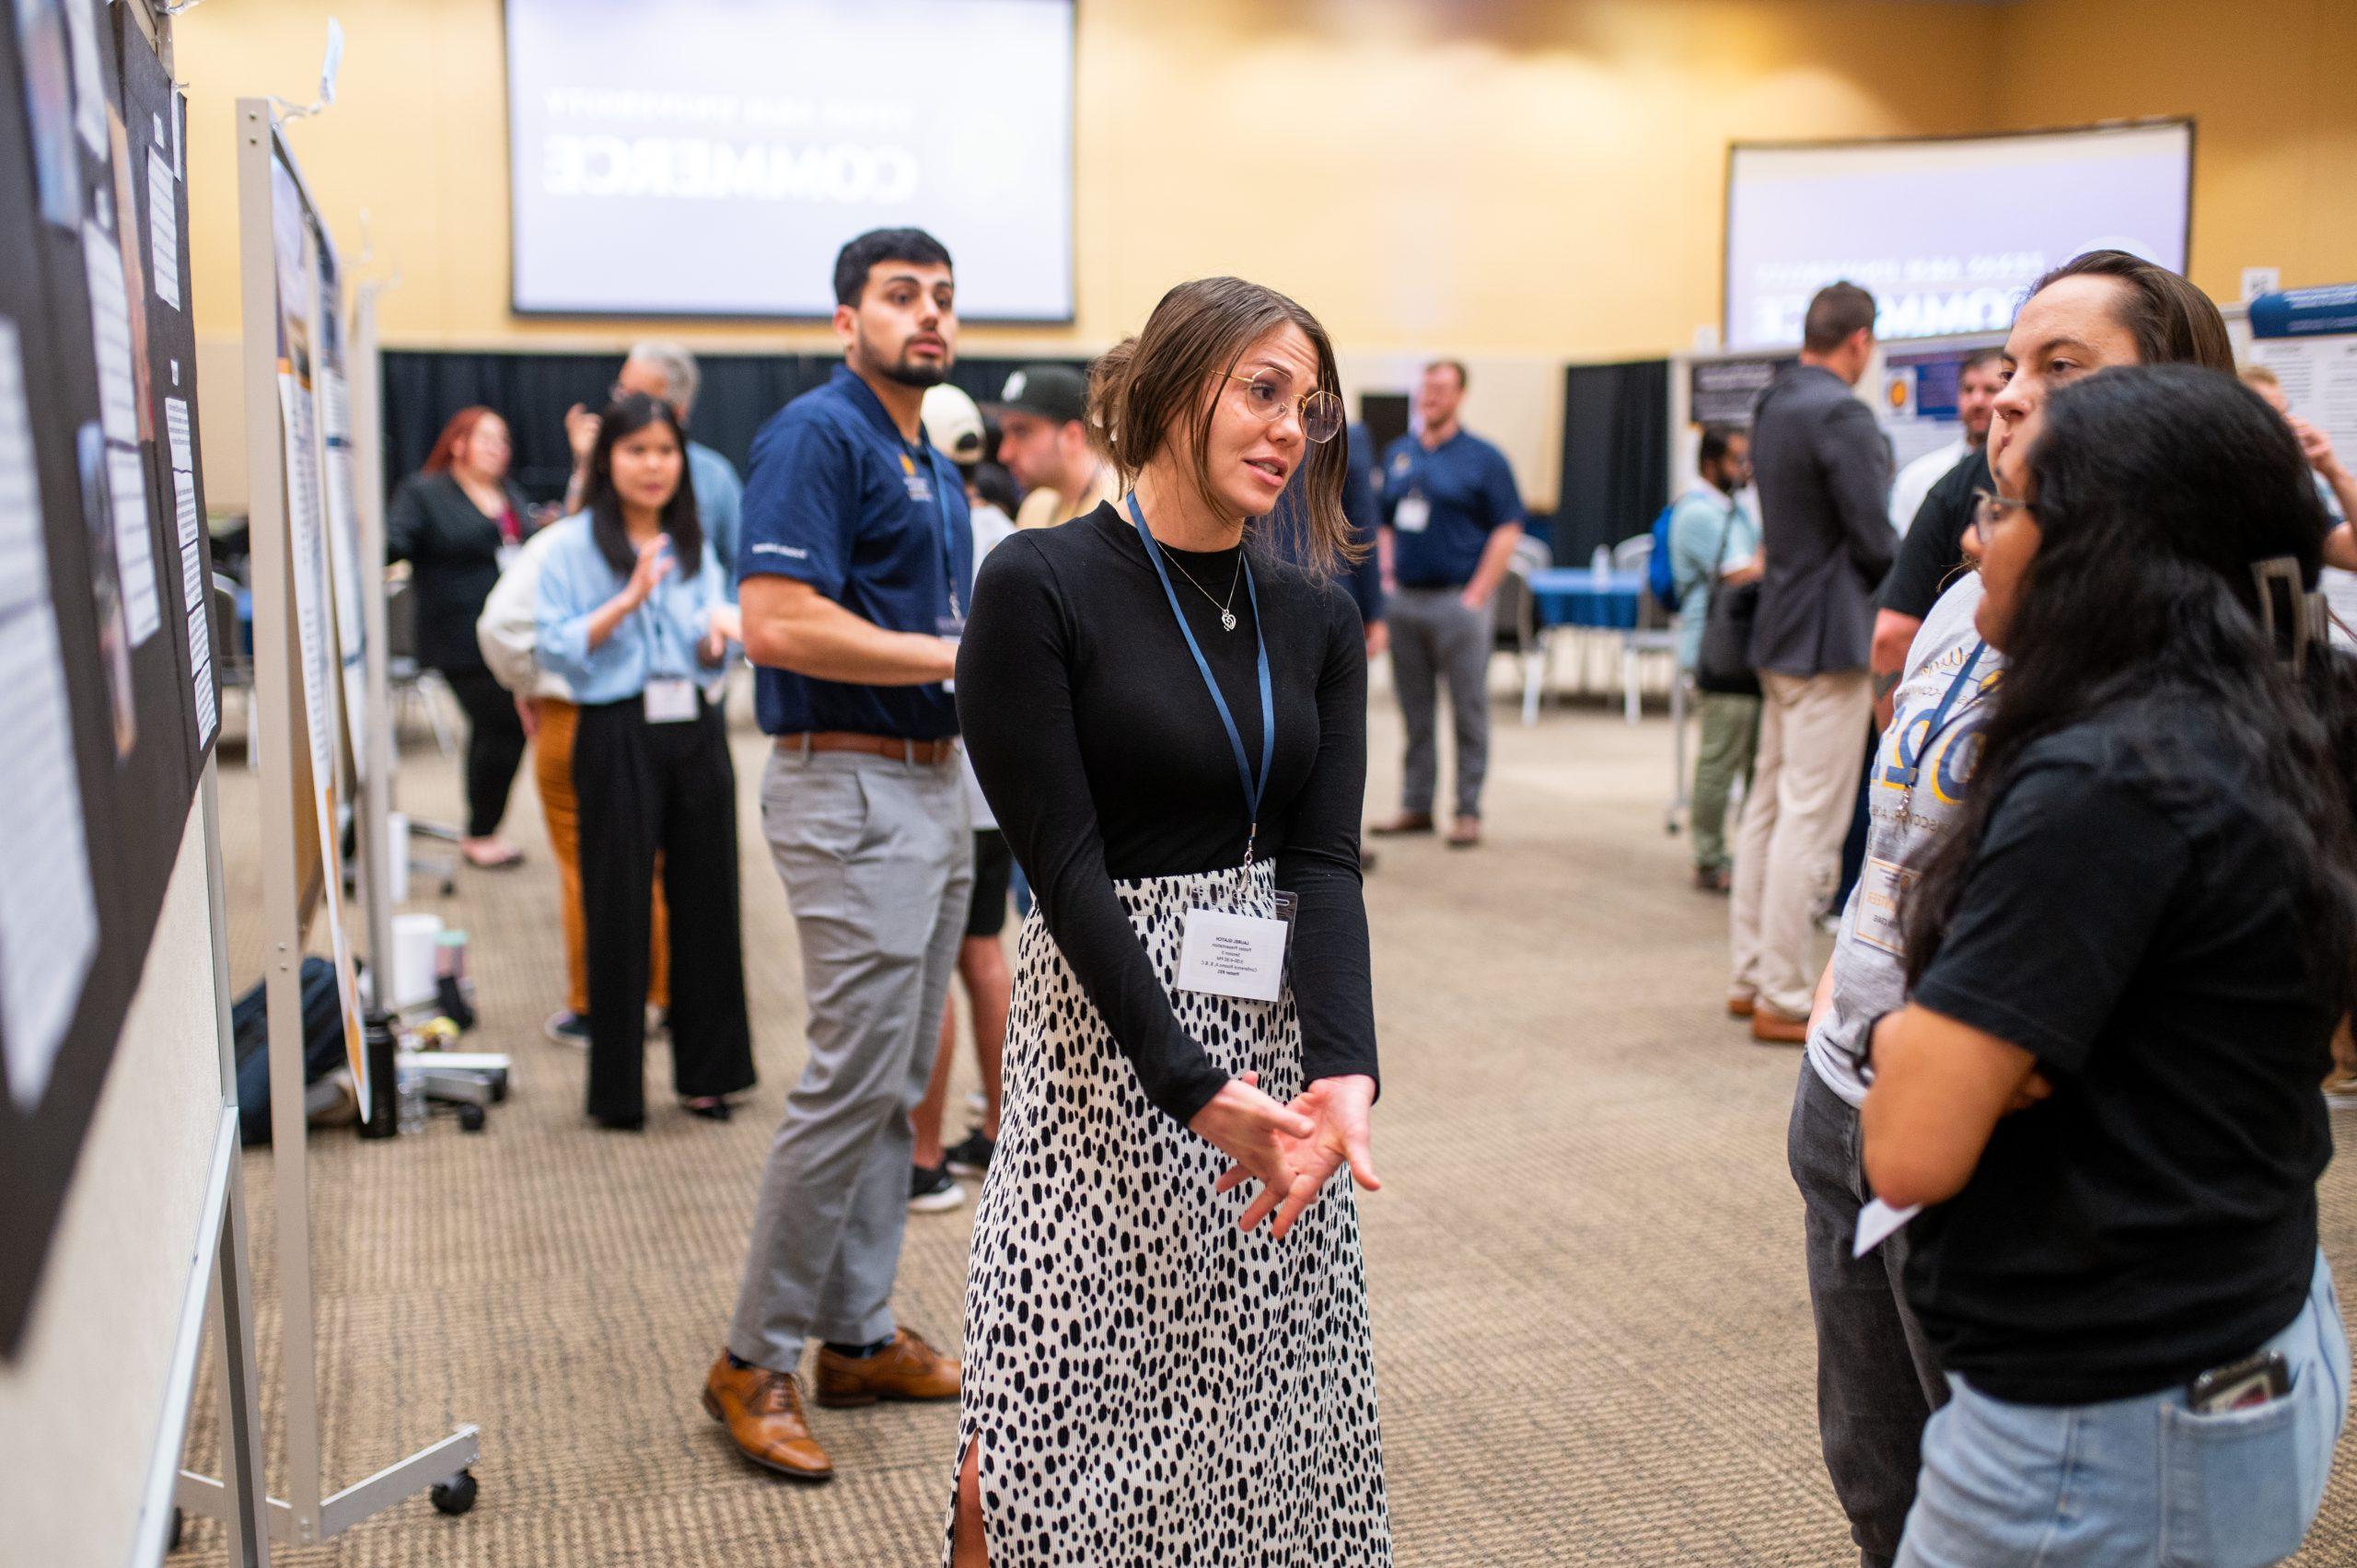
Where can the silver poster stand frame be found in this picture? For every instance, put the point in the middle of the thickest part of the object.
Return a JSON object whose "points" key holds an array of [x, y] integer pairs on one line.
{"points": [[309, 1513]]}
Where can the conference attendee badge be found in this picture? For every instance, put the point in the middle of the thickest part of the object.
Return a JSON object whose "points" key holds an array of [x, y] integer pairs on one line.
{"points": [[670, 700], [1222, 954], [951, 629], [1882, 886], [1232, 955], [1413, 514]]}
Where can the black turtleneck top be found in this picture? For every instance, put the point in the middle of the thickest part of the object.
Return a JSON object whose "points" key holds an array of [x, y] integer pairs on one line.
{"points": [[1103, 761]]}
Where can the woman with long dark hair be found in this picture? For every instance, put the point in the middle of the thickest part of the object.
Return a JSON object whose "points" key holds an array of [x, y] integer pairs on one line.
{"points": [[1877, 1382], [454, 521], [634, 615], [1171, 726], [2127, 959]]}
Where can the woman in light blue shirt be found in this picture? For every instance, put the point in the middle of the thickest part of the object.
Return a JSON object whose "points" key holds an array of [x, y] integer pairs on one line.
{"points": [[633, 613]]}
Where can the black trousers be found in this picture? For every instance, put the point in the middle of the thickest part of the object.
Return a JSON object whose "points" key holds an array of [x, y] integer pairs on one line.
{"points": [[494, 745], [671, 789]]}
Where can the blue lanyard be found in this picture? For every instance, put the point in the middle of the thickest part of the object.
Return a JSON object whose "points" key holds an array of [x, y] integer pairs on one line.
{"points": [[1940, 715], [658, 663], [1254, 790]]}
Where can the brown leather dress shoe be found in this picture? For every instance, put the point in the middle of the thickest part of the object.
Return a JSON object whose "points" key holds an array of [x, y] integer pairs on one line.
{"points": [[1465, 832], [1406, 822], [909, 1370], [1740, 1004], [1770, 1027], [762, 1410]]}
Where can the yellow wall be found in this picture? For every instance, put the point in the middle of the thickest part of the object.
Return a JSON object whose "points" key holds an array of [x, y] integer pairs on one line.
{"points": [[1487, 177], [2272, 86], [1518, 182]]}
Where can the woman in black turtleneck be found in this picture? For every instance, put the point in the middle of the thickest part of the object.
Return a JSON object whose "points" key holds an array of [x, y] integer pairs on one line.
{"points": [[1149, 1365]]}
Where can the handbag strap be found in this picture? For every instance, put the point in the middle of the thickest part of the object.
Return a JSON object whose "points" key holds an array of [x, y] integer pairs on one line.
{"points": [[1719, 557]]}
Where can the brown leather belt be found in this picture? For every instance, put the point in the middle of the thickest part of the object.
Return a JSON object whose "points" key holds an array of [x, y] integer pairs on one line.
{"points": [[930, 753]]}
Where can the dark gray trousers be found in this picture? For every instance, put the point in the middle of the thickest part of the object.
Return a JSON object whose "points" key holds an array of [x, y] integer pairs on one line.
{"points": [[1876, 1383]]}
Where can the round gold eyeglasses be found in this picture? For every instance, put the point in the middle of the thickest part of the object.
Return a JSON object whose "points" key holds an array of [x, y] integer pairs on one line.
{"points": [[1320, 411]]}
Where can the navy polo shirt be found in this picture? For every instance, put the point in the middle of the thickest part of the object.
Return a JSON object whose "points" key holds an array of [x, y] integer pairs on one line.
{"points": [[1469, 489], [838, 500]]}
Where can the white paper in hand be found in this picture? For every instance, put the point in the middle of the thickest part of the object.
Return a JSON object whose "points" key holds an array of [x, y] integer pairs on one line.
{"points": [[1877, 1221]]}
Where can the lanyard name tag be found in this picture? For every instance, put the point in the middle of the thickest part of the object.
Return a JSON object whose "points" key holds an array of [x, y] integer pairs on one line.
{"points": [[1413, 515], [1233, 955], [950, 685], [1882, 887], [671, 701]]}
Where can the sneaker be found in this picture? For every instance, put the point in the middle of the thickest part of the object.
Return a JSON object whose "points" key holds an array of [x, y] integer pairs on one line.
{"points": [[566, 1026], [2339, 1092], [933, 1192], [972, 1157]]}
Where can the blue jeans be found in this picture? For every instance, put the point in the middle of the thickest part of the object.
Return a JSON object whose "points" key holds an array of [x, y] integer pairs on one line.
{"points": [[2140, 1482]]}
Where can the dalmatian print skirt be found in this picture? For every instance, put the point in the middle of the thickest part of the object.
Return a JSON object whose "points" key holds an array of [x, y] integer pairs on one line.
{"points": [[1146, 1386]]}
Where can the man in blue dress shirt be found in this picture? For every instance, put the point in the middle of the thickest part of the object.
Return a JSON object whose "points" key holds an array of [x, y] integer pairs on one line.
{"points": [[851, 584], [668, 372], [1451, 515]]}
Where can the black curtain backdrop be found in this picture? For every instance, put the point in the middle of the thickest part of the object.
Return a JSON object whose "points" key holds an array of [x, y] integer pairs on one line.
{"points": [[531, 391], [1616, 455]]}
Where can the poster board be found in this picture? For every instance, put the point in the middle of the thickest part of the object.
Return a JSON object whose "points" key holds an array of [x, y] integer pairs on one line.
{"points": [[102, 704], [310, 328], [2308, 337]]}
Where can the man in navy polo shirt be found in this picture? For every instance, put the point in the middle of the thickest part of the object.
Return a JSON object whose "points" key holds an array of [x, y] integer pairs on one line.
{"points": [[851, 575], [1451, 515]]}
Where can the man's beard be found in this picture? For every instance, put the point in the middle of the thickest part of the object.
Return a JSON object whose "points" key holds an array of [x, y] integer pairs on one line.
{"points": [[912, 374]]}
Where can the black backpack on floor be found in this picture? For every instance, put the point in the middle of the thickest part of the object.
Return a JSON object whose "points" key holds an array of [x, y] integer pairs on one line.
{"points": [[323, 1043]]}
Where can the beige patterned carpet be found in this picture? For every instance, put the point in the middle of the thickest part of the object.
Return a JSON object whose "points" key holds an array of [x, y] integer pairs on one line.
{"points": [[1591, 1324]]}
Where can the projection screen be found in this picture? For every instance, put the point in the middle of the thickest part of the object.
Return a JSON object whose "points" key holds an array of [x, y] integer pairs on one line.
{"points": [[707, 157], [1947, 234]]}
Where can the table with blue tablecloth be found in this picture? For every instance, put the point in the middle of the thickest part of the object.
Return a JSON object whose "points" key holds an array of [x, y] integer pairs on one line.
{"points": [[1579, 596]]}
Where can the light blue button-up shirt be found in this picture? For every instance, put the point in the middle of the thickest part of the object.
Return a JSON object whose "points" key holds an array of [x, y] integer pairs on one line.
{"points": [[1706, 520], [720, 504], [655, 641]]}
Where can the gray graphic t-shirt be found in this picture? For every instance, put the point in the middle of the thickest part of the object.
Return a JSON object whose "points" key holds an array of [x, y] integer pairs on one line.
{"points": [[1919, 778]]}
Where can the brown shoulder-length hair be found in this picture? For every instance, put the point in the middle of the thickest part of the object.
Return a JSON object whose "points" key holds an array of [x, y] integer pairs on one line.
{"points": [[1159, 388], [455, 436], [2172, 321]]}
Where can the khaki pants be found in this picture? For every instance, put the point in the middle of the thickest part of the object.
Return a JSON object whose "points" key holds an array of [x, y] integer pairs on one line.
{"points": [[1788, 857], [553, 775]]}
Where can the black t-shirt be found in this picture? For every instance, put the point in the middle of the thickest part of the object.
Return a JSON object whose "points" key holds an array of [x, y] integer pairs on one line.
{"points": [[2131, 921], [1933, 551], [1103, 761]]}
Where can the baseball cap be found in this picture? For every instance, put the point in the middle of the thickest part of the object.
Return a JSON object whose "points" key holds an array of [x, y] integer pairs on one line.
{"points": [[1054, 392], [953, 423]]}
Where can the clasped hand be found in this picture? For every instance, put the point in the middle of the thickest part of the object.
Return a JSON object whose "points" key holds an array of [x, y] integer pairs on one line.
{"points": [[1291, 1150]]}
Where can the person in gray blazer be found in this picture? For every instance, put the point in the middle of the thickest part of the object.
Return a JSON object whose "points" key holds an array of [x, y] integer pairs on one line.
{"points": [[1822, 471]]}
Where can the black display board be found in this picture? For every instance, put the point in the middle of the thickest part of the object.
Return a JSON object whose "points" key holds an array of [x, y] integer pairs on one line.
{"points": [[136, 749]]}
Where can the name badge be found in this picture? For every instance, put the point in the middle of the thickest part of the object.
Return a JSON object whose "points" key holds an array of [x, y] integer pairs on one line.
{"points": [[1413, 515], [919, 488], [1232, 955], [1882, 884], [671, 701]]}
